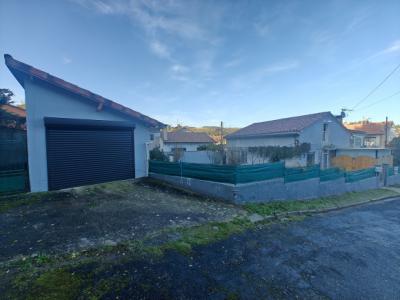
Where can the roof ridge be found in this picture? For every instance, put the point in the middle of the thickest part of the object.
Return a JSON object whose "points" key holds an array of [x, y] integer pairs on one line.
{"points": [[17, 67], [306, 115]]}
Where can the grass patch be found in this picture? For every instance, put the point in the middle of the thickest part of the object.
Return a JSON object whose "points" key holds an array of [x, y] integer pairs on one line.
{"points": [[114, 187], [55, 284], [205, 234], [271, 208], [10, 202]]}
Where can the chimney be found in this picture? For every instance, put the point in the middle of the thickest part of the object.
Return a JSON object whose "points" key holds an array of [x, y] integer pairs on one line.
{"points": [[164, 134]]}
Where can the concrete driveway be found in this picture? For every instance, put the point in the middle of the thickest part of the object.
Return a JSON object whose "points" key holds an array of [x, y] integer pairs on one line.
{"points": [[348, 254]]}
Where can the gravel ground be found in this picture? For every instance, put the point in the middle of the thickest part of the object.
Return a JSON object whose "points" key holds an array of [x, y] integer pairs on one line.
{"points": [[102, 215]]}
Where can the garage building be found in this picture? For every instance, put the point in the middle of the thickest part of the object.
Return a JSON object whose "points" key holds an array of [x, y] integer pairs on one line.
{"points": [[76, 137]]}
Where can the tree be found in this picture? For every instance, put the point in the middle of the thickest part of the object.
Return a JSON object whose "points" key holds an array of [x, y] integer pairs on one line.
{"points": [[6, 96], [158, 154], [395, 145]]}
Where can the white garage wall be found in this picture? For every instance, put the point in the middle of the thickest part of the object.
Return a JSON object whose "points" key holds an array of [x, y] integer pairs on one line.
{"points": [[47, 102]]}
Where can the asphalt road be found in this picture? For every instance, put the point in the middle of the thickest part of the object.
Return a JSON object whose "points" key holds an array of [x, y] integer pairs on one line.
{"points": [[349, 254]]}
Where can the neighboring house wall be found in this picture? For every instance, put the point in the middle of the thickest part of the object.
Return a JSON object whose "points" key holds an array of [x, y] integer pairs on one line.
{"points": [[45, 102], [336, 136], [198, 157], [168, 147]]}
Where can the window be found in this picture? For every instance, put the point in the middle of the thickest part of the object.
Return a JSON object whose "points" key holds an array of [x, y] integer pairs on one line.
{"points": [[178, 149], [370, 141], [324, 132], [310, 159], [151, 137]]}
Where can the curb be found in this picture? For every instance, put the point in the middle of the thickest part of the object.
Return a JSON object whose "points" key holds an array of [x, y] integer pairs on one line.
{"points": [[316, 211]]}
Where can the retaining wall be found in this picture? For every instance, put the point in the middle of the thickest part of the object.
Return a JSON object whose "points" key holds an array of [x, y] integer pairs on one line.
{"points": [[274, 189], [394, 179], [209, 188]]}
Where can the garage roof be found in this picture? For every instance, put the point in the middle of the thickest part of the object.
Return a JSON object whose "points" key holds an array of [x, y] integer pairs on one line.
{"points": [[21, 71]]}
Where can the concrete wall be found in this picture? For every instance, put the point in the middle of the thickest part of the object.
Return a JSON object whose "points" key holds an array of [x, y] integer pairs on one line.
{"points": [[362, 185], [46, 102], [217, 190], [395, 179], [271, 190], [198, 157], [370, 152]]}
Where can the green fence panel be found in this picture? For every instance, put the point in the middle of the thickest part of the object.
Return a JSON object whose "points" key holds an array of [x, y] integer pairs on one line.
{"points": [[390, 171], [296, 174], [13, 150], [13, 181], [219, 173], [259, 172], [359, 174], [166, 168], [209, 172], [331, 174]]}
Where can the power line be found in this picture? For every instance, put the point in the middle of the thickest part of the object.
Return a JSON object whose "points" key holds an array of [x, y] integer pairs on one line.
{"points": [[377, 87], [380, 100]]}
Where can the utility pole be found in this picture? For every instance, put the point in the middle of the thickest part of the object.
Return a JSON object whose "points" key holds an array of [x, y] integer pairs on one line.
{"points": [[386, 132], [222, 132]]}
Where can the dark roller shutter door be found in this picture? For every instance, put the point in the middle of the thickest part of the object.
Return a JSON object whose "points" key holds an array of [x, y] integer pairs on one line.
{"points": [[82, 152]]}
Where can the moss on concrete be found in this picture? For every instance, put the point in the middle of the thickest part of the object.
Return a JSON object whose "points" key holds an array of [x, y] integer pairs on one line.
{"points": [[271, 208]]}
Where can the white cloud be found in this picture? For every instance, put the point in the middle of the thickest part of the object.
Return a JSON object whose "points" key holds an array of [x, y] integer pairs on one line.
{"points": [[171, 26], [251, 80], [179, 72], [159, 49], [394, 47], [280, 67], [66, 60]]}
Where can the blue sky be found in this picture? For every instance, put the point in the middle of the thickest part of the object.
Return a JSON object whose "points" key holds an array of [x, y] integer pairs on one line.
{"points": [[200, 62]]}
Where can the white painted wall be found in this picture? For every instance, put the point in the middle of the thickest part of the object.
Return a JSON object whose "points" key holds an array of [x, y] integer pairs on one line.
{"points": [[45, 102], [337, 136], [167, 147]]}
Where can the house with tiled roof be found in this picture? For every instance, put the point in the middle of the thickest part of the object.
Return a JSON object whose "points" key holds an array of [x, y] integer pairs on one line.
{"points": [[12, 116], [376, 134], [184, 139], [323, 131], [330, 142]]}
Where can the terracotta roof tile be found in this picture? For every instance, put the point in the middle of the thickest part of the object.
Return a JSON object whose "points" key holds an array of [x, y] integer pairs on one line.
{"points": [[290, 125], [377, 128], [184, 136], [21, 70]]}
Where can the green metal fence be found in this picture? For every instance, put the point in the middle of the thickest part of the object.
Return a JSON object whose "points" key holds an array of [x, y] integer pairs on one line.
{"points": [[331, 174], [252, 173], [390, 171], [13, 161], [219, 173], [297, 174], [360, 174], [13, 181]]}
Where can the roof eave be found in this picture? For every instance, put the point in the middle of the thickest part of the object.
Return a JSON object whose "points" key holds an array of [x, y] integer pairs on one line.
{"points": [[292, 133], [21, 71]]}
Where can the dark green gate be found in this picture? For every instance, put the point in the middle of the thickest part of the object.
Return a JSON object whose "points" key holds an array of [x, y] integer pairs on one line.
{"points": [[13, 161]]}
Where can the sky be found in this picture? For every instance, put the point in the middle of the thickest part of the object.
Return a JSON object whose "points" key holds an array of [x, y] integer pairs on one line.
{"points": [[201, 62]]}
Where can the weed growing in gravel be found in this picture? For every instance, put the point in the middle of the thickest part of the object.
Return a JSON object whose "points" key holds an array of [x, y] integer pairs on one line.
{"points": [[271, 208]]}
